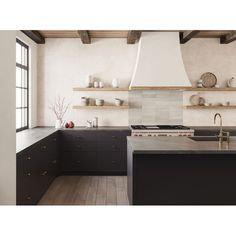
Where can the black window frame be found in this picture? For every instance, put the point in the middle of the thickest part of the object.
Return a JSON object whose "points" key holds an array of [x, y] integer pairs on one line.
{"points": [[26, 68]]}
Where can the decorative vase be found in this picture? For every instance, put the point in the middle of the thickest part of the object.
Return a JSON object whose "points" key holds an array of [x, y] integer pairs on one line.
{"points": [[115, 83], [58, 124]]}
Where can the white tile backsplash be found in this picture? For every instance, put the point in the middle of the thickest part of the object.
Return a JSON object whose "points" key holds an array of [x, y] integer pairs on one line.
{"points": [[155, 107]]}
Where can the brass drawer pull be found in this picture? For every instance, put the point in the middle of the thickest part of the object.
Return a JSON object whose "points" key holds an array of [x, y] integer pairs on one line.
{"points": [[28, 197], [28, 158], [44, 173], [29, 174]]}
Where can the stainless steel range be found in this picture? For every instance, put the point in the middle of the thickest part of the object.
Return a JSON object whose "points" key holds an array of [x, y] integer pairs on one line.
{"points": [[161, 130]]}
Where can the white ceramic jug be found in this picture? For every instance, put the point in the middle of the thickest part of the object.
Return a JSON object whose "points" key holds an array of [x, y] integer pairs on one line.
{"points": [[231, 83], [115, 83]]}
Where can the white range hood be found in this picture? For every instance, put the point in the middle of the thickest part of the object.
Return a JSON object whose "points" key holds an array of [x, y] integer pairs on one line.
{"points": [[159, 62]]}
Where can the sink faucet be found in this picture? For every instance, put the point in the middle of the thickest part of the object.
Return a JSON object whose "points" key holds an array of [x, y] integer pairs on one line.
{"points": [[221, 130], [221, 134]]}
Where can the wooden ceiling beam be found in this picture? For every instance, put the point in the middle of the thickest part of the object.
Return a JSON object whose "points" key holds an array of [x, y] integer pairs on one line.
{"points": [[187, 35], [35, 36], [228, 38], [133, 36], [84, 35]]}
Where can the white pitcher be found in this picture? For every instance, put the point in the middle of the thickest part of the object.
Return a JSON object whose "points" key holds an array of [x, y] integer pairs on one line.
{"points": [[231, 82], [115, 83]]}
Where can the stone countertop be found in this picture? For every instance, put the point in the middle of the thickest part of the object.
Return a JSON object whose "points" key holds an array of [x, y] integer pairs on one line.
{"points": [[27, 138], [99, 128], [212, 127], [177, 145]]}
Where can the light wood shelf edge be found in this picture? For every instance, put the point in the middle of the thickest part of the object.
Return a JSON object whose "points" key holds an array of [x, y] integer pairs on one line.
{"points": [[210, 107], [100, 89], [211, 89], [158, 88], [101, 107]]}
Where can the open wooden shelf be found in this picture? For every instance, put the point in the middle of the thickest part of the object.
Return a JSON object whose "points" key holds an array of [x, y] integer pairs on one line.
{"points": [[102, 107], [210, 89], [100, 89], [154, 88], [211, 107]]}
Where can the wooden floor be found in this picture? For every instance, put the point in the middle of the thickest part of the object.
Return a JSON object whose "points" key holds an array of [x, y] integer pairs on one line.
{"points": [[87, 190]]}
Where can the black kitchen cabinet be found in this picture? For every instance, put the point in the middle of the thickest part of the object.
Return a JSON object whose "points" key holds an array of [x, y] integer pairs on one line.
{"points": [[36, 168], [69, 152], [94, 151]]}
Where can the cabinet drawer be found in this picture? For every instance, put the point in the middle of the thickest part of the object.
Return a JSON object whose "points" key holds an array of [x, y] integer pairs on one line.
{"points": [[77, 161], [115, 162], [78, 141], [111, 146], [113, 136]]}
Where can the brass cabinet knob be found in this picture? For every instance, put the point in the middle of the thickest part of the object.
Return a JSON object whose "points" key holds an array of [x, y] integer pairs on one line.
{"points": [[44, 147], [29, 174], [28, 158], [28, 197], [54, 161]]}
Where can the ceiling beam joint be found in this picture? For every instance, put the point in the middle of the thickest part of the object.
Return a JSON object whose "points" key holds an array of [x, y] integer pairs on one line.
{"points": [[133, 36], [187, 35], [228, 38], [84, 35], [34, 35]]}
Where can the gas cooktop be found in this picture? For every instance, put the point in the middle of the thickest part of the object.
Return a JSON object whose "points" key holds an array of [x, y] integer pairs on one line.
{"points": [[159, 127]]}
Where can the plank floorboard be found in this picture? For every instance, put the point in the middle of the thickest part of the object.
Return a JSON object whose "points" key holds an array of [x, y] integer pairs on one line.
{"points": [[111, 191], [87, 190], [102, 191]]}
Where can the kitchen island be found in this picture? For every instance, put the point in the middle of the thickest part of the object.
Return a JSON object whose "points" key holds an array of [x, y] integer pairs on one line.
{"points": [[181, 171]]}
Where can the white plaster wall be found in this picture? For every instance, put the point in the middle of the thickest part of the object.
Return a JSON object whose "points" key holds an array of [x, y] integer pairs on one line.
{"points": [[203, 55], [7, 114], [33, 58], [65, 63]]}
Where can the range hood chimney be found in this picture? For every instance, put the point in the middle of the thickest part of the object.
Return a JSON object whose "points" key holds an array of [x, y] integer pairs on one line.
{"points": [[159, 62]]}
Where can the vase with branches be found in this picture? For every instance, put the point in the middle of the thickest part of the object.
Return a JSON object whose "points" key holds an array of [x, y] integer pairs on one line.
{"points": [[59, 108]]}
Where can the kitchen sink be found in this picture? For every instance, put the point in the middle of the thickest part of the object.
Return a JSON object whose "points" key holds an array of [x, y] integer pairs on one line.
{"points": [[206, 138]]}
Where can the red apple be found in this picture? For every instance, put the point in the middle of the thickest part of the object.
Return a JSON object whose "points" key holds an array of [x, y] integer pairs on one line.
{"points": [[67, 125], [71, 124]]}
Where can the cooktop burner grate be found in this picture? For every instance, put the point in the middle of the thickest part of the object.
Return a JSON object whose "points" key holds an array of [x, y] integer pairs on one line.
{"points": [[159, 127]]}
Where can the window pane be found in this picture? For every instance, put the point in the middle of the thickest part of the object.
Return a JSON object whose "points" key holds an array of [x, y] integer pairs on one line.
{"points": [[18, 77], [24, 75], [22, 84], [25, 57], [24, 98], [18, 53], [25, 117], [22, 118], [18, 118], [18, 97]]}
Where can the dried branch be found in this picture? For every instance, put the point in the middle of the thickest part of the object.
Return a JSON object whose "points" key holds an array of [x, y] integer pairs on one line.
{"points": [[59, 108]]}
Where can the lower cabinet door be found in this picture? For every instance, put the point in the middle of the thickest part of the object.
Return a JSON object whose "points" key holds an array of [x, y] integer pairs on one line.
{"points": [[79, 161], [113, 161], [28, 188]]}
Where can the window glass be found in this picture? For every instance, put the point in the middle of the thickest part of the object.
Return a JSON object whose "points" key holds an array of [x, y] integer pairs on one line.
{"points": [[22, 91]]}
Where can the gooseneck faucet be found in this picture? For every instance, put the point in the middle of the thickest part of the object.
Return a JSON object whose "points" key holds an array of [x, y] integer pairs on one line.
{"points": [[221, 130], [221, 136]]}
